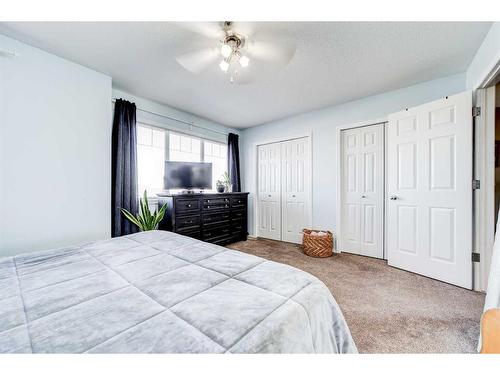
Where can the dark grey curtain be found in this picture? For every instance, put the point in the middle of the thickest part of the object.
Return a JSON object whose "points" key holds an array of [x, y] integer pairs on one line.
{"points": [[233, 161], [124, 168]]}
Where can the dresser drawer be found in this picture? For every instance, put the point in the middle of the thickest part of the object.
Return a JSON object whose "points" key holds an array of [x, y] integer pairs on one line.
{"points": [[239, 214], [187, 221], [238, 226], [186, 205], [216, 218], [238, 202], [209, 233], [215, 206], [190, 232], [217, 200]]}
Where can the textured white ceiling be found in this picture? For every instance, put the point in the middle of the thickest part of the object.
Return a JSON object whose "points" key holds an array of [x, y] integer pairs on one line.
{"points": [[335, 62]]}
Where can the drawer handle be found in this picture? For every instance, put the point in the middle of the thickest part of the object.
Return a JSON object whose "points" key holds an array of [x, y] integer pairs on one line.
{"points": [[209, 234], [208, 219], [225, 230], [227, 200], [208, 200], [208, 206], [189, 205], [227, 205], [188, 222]]}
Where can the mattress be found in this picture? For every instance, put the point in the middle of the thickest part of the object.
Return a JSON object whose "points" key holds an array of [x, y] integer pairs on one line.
{"points": [[160, 292]]}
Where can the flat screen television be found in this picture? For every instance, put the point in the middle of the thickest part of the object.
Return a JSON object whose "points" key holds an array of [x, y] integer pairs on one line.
{"points": [[187, 175]]}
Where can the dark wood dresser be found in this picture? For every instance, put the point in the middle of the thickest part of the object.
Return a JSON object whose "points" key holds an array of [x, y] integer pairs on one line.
{"points": [[219, 218]]}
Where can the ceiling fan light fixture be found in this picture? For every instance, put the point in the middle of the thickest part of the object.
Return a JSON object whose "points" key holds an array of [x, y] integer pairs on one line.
{"points": [[226, 50], [224, 66], [244, 60]]}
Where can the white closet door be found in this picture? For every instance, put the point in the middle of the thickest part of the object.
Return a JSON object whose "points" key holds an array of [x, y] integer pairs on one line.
{"points": [[351, 192], [429, 188], [269, 191], [372, 190], [362, 192], [295, 187]]}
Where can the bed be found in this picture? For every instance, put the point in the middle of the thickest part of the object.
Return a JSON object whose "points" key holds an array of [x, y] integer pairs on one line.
{"points": [[161, 292]]}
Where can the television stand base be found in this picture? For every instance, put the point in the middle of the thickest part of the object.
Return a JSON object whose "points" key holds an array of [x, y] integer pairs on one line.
{"points": [[191, 191]]}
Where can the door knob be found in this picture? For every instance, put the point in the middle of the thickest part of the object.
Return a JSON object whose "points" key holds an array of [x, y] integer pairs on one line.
{"points": [[269, 195], [363, 196], [293, 195], [393, 197]]}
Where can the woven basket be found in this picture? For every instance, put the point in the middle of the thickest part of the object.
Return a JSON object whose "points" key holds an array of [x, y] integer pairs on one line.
{"points": [[317, 246]]}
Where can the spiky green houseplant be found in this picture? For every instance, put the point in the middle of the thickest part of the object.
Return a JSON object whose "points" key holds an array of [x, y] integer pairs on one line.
{"points": [[145, 220], [226, 181]]}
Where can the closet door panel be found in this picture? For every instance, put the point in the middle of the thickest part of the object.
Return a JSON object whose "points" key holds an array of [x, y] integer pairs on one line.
{"points": [[269, 191], [362, 191], [296, 176], [351, 191], [372, 190]]}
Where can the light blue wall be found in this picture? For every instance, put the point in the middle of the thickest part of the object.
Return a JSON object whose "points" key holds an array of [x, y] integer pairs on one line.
{"points": [[55, 154], [322, 125], [486, 58]]}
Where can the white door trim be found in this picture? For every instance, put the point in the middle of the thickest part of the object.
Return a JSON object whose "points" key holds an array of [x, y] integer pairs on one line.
{"points": [[308, 135], [484, 198], [338, 181], [484, 160]]}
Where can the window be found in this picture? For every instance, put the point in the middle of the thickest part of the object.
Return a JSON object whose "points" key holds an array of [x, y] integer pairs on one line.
{"points": [[184, 148], [155, 146], [215, 153], [150, 159]]}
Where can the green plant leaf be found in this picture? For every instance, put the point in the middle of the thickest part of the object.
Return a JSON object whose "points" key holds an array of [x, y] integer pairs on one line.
{"points": [[130, 217], [142, 224], [144, 209], [158, 216], [148, 212], [144, 219]]}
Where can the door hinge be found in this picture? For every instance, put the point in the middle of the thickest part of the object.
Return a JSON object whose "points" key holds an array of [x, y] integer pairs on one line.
{"points": [[476, 257], [476, 111], [476, 184]]}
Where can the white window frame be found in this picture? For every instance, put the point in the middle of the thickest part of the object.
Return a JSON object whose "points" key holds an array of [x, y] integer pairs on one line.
{"points": [[167, 140]]}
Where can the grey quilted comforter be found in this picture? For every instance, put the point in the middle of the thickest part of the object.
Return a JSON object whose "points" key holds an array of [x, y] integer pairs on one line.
{"points": [[160, 292]]}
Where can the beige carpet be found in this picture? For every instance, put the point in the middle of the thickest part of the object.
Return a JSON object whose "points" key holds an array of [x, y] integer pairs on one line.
{"points": [[388, 310]]}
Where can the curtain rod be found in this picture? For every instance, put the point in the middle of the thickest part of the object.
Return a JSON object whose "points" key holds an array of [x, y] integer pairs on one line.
{"points": [[178, 120]]}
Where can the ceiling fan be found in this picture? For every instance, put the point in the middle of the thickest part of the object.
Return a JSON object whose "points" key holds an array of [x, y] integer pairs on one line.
{"points": [[239, 49]]}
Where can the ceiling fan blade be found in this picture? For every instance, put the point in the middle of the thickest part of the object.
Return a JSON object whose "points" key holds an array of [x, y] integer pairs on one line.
{"points": [[246, 29], [272, 52], [212, 30], [199, 60]]}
